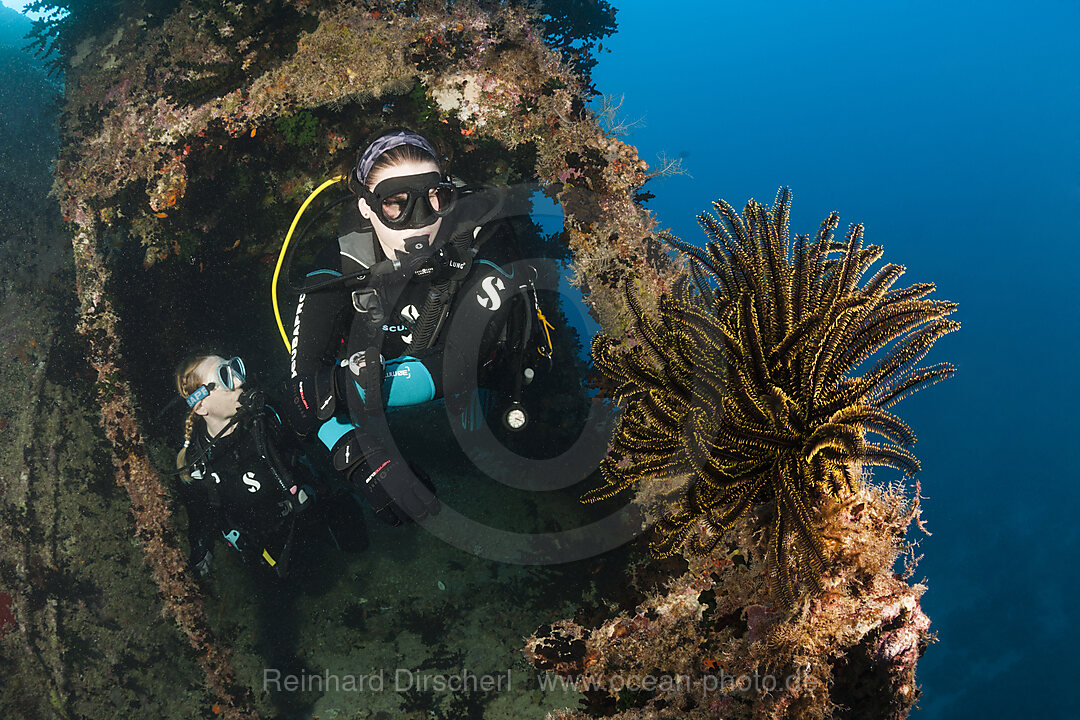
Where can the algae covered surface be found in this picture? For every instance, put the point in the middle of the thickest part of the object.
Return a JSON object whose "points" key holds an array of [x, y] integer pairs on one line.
{"points": [[85, 629], [92, 634]]}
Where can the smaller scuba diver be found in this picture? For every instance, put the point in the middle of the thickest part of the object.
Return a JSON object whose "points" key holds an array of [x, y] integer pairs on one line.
{"points": [[244, 477], [415, 249]]}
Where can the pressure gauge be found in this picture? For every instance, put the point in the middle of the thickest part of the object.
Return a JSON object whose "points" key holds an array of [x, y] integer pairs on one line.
{"points": [[515, 417]]}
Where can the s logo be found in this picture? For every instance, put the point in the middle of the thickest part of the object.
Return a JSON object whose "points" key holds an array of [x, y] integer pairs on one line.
{"points": [[251, 482], [491, 285], [410, 312]]}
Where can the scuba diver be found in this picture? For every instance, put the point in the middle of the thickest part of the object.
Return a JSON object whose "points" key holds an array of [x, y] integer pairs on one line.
{"points": [[243, 476], [415, 250]]}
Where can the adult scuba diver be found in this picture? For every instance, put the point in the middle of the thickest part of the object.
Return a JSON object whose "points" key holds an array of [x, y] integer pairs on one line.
{"points": [[244, 479], [415, 248]]}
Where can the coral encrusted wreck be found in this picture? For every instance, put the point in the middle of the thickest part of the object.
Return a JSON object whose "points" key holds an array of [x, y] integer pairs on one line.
{"points": [[744, 430], [190, 131]]}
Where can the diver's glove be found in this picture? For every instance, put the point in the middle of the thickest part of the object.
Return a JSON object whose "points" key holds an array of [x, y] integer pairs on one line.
{"points": [[312, 399], [397, 492]]}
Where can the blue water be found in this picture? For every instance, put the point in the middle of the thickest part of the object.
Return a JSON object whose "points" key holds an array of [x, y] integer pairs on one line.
{"points": [[950, 130]]}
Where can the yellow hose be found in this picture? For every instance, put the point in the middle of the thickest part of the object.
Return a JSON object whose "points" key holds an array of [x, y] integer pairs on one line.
{"points": [[284, 249]]}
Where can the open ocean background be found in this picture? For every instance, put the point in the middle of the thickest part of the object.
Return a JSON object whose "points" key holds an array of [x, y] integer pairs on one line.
{"points": [[951, 130]]}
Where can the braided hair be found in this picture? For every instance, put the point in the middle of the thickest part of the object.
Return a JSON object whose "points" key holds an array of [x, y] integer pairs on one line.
{"points": [[187, 382]]}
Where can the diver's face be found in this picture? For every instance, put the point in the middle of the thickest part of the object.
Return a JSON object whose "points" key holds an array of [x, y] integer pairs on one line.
{"points": [[390, 239], [222, 403]]}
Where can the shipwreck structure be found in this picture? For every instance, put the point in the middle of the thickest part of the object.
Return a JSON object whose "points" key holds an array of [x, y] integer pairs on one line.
{"points": [[189, 133]]}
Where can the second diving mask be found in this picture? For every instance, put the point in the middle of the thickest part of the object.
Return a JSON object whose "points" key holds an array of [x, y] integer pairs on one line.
{"points": [[230, 373], [411, 201]]}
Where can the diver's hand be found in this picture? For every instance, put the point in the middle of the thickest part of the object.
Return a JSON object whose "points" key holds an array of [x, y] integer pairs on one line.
{"points": [[311, 400], [396, 492]]}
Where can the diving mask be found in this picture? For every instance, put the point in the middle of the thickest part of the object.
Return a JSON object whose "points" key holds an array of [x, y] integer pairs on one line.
{"points": [[411, 201], [230, 373]]}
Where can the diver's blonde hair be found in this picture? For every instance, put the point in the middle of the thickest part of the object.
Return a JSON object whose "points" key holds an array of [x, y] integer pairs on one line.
{"points": [[187, 382]]}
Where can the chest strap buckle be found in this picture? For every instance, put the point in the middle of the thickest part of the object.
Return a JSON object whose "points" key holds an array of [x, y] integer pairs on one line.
{"points": [[366, 301]]}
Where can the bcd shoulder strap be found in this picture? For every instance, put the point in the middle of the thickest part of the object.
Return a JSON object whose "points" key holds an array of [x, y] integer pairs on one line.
{"points": [[357, 251], [356, 241]]}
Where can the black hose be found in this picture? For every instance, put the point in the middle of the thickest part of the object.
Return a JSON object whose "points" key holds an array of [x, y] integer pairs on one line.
{"points": [[431, 314]]}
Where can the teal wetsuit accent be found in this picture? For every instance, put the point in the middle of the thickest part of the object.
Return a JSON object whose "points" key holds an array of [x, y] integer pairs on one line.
{"points": [[333, 430], [488, 262], [405, 382]]}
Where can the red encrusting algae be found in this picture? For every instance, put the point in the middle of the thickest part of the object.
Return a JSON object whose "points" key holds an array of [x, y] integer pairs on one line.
{"points": [[7, 614]]}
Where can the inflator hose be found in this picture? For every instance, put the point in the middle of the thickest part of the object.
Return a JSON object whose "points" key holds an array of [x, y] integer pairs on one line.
{"points": [[284, 249]]}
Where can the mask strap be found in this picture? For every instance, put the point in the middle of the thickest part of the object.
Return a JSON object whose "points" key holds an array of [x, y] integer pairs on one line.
{"points": [[194, 398]]}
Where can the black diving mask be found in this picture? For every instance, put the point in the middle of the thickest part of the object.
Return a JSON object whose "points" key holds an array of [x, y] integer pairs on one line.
{"points": [[411, 201]]}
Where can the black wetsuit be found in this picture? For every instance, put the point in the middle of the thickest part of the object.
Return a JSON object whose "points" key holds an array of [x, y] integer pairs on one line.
{"points": [[246, 490], [453, 324], [326, 331]]}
